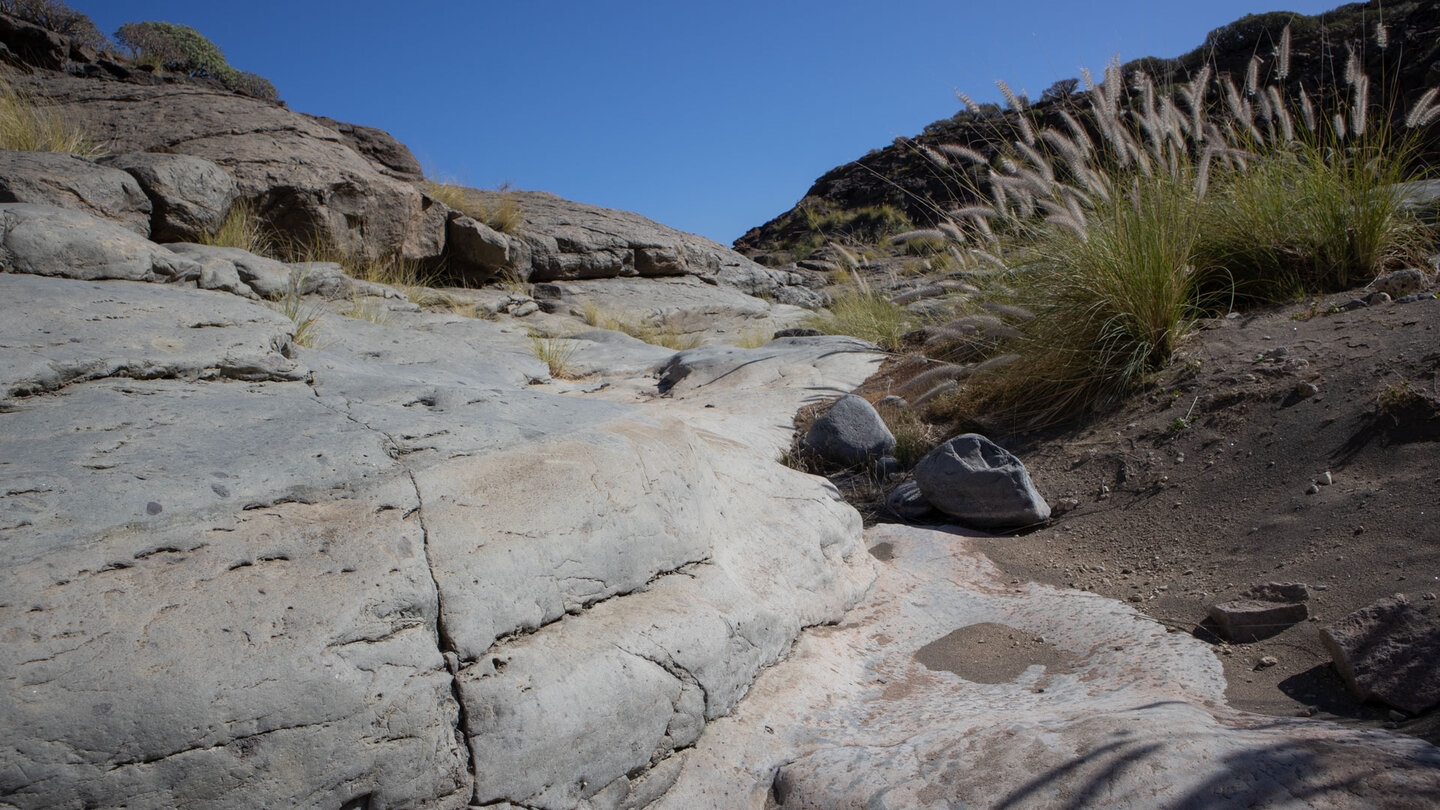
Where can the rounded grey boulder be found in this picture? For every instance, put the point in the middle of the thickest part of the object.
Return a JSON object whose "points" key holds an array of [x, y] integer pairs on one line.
{"points": [[851, 432], [980, 484], [190, 196]]}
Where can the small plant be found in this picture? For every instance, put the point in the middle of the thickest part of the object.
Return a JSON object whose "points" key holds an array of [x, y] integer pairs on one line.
{"points": [[405, 275], [182, 49], [555, 353], [242, 229], [26, 126], [366, 308], [662, 332], [305, 317], [753, 339], [1396, 397]]}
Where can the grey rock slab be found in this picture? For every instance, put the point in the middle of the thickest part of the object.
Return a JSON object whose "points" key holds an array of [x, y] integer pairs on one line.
{"points": [[634, 677], [281, 657], [476, 250], [49, 241], [189, 196], [981, 484], [607, 352], [67, 181], [850, 432], [851, 718], [55, 332], [1389, 651], [682, 307]]}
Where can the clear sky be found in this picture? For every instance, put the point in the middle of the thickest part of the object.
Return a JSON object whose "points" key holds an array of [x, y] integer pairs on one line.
{"points": [[709, 117]]}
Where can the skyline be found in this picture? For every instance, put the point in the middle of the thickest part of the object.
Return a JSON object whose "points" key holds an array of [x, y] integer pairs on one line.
{"points": [[711, 119]]}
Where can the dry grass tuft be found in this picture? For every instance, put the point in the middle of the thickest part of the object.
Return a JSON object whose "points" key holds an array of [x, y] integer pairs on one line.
{"points": [[28, 126]]}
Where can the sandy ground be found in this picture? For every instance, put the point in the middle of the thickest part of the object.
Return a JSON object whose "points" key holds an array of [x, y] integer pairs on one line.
{"points": [[1212, 481]]}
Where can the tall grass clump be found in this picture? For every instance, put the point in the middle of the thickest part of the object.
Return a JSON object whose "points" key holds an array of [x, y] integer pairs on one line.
{"points": [[28, 126], [555, 353], [242, 229], [1121, 219], [502, 214], [859, 310]]}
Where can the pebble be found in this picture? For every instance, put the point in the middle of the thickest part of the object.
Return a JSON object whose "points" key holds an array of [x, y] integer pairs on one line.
{"points": [[1312, 489], [1325, 479], [1305, 390], [1397, 716], [1266, 662], [1429, 597]]}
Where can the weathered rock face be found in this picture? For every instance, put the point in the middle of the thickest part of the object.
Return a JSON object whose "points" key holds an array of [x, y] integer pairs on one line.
{"points": [[189, 196], [46, 240], [53, 178], [241, 573], [560, 239], [305, 177], [1262, 611], [980, 484]]}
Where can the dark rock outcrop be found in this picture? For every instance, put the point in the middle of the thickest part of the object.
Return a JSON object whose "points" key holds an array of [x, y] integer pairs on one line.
{"points": [[850, 433], [1389, 651], [189, 196]]}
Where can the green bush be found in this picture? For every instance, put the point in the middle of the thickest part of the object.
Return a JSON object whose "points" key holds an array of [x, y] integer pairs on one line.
{"points": [[182, 49], [54, 15]]}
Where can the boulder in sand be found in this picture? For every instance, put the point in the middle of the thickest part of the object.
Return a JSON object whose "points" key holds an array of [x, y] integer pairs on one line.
{"points": [[850, 433], [1389, 651], [980, 484]]}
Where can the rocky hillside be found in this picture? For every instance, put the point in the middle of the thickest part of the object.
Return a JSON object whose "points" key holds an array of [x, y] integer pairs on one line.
{"points": [[891, 188]]}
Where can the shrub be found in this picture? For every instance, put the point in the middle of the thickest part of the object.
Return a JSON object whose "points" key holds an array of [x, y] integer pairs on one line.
{"points": [[864, 313], [54, 15], [182, 49], [26, 126], [555, 353]]}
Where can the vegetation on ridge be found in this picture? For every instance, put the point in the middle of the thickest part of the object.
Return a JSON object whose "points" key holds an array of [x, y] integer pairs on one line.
{"points": [[182, 49], [1118, 220]]}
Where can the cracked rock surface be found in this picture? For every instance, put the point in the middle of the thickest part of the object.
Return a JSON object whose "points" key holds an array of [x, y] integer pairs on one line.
{"points": [[402, 569]]}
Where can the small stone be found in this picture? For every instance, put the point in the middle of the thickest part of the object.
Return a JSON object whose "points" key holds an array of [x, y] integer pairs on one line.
{"points": [[1312, 489], [1266, 662], [1398, 716], [1325, 479], [1305, 390], [153, 508], [1134, 597], [1377, 299]]}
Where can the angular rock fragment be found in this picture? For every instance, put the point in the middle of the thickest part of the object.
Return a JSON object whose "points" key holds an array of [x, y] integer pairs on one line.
{"points": [[981, 484], [907, 503], [47, 241], [1261, 612], [1389, 651]]}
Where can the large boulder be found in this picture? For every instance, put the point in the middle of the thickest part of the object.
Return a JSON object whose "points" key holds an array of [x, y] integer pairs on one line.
{"points": [[67, 181], [47, 241], [851, 432], [306, 179], [981, 484], [189, 196], [1389, 651]]}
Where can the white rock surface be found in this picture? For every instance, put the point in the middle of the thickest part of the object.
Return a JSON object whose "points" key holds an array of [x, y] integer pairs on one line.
{"points": [[851, 719], [391, 571]]}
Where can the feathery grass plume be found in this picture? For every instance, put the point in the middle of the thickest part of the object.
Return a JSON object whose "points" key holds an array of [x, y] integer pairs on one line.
{"points": [[1282, 69], [951, 231], [926, 380], [1040, 165], [1232, 98], [1008, 310], [1011, 99], [946, 387], [1078, 135], [968, 102], [1382, 36], [974, 211], [28, 126], [1360, 111], [1307, 112], [924, 233], [1352, 68], [1252, 76], [963, 153], [1424, 110], [933, 155], [999, 361]]}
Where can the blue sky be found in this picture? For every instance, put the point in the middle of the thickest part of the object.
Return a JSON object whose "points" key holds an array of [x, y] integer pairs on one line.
{"points": [[709, 117]]}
